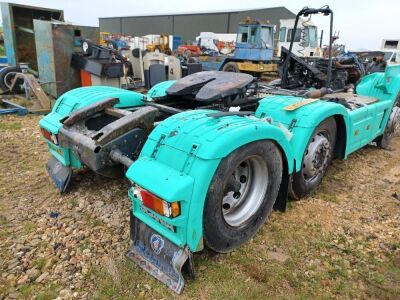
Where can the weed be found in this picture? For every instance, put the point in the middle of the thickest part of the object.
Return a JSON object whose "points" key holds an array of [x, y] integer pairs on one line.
{"points": [[84, 245], [10, 126], [40, 262], [73, 202], [26, 290], [29, 227], [49, 293]]}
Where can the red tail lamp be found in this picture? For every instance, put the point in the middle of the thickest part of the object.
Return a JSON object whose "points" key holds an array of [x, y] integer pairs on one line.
{"points": [[160, 206]]}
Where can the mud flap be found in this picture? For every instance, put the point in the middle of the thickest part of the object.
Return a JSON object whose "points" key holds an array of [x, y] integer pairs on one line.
{"points": [[60, 174], [157, 255]]}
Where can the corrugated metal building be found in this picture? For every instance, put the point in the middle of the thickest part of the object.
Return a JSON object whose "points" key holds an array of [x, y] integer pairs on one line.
{"points": [[188, 26]]}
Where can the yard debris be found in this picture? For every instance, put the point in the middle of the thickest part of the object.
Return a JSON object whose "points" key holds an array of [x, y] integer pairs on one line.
{"points": [[54, 214]]}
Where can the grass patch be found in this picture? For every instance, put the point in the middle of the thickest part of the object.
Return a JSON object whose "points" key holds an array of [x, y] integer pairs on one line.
{"points": [[29, 227], [10, 126], [84, 245], [3, 220], [26, 291], [49, 293], [3, 233], [40, 262], [3, 291], [330, 198], [96, 222], [73, 202], [121, 278]]}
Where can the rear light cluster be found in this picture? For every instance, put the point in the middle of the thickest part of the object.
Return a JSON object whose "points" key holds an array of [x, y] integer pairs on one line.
{"points": [[49, 136], [160, 206]]}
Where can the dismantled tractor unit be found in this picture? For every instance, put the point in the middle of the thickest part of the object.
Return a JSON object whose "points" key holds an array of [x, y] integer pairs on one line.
{"points": [[210, 155], [211, 172]]}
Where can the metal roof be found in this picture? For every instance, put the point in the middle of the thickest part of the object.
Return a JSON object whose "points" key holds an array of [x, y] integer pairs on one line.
{"points": [[201, 12]]}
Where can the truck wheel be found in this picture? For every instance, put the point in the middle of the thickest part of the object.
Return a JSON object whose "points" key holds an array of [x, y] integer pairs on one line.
{"points": [[7, 74], [87, 48], [241, 195], [316, 159], [392, 126], [231, 67]]}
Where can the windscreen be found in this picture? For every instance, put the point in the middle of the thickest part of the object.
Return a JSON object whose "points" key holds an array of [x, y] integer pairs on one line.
{"points": [[243, 34], [387, 55], [297, 36], [312, 36], [282, 35], [267, 37]]}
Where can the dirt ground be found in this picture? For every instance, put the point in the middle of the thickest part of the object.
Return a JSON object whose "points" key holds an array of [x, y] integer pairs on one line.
{"points": [[341, 242]]}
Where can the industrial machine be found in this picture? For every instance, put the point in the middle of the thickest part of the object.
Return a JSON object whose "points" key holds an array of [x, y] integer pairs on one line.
{"points": [[55, 43], [210, 155], [104, 36], [40, 37], [19, 38], [100, 65], [109, 40], [305, 42], [253, 52]]}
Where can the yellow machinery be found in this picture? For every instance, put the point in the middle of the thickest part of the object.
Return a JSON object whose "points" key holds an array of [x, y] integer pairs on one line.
{"points": [[104, 37]]}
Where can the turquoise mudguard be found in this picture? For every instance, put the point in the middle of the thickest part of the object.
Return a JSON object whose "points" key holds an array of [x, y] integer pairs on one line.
{"points": [[178, 162], [302, 121], [160, 89], [76, 99]]}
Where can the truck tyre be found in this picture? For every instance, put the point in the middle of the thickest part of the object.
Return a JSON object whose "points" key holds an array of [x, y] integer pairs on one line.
{"points": [[316, 159], [392, 126], [241, 195], [6, 77], [231, 67], [87, 47]]}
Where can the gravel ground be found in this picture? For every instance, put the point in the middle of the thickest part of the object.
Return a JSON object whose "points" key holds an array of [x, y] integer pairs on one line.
{"points": [[341, 242]]}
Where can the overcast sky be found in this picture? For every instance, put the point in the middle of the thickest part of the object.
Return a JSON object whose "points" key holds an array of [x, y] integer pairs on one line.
{"points": [[362, 23]]}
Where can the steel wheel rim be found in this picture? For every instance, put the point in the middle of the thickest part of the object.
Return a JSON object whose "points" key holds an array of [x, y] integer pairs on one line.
{"points": [[85, 46], [316, 158], [8, 81], [246, 192]]}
